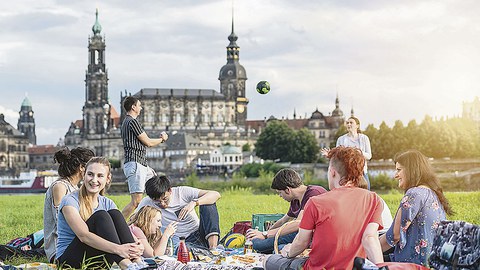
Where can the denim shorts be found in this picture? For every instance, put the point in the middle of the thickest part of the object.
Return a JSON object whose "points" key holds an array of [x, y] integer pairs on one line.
{"points": [[137, 175]]}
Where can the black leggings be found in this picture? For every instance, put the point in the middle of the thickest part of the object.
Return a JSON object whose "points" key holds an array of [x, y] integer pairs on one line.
{"points": [[109, 225]]}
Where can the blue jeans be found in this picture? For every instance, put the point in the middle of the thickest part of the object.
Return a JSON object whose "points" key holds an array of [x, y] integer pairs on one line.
{"points": [[266, 245], [209, 225], [365, 175]]}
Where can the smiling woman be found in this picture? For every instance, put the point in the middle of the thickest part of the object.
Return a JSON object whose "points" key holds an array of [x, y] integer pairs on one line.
{"points": [[90, 227], [421, 210]]}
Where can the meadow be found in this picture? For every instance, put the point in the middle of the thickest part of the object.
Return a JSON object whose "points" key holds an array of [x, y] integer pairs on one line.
{"points": [[21, 215]]}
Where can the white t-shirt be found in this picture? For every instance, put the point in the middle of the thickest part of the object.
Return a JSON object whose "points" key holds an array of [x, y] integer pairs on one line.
{"points": [[180, 197]]}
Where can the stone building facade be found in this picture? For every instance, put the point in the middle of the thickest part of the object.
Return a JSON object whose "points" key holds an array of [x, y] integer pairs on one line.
{"points": [[13, 149], [197, 120]]}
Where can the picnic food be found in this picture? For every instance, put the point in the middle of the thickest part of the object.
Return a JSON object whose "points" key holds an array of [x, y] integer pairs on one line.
{"points": [[244, 259]]}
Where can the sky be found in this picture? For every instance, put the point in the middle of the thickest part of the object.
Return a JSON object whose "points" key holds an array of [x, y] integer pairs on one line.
{"points": [[389, 60]]}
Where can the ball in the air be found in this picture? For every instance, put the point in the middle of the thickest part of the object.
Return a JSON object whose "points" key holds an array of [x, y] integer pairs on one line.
{"points": [[235, 240], [263, 87]]}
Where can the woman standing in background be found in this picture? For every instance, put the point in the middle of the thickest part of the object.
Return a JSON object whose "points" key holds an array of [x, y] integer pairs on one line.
{"points": [[355, 138]]}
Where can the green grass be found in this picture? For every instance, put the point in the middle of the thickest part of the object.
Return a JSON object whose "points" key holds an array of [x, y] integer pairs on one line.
{"points": [[21, 215]]}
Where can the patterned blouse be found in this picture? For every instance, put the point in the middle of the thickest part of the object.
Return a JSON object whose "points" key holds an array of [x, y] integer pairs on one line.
{"points": [[421, 215]]}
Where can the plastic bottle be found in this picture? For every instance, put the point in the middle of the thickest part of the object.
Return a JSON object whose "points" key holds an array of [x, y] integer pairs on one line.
{"points": [[169, 251], [183, 255]]}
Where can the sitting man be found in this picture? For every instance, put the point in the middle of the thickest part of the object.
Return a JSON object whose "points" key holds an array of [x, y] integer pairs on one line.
{"points": [[290, 187], [178, 204], [341, 224]]}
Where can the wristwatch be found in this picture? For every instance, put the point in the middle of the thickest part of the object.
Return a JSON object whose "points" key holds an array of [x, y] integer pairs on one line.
{"points": [[196, 202], [265, 234]]}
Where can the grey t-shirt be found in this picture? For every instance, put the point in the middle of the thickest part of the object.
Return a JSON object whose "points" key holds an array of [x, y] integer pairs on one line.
{"points": [[180, 197]]}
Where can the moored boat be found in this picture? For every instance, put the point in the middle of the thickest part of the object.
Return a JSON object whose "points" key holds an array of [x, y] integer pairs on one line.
{"points": [[27, 182]]}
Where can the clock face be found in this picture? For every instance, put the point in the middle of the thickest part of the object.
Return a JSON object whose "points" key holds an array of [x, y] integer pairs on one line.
{"points": [[30, 113], [240, 108]]}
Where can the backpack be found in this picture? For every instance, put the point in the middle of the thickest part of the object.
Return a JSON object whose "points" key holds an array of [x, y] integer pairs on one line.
{"points": [[456, 245], [32, 241]]}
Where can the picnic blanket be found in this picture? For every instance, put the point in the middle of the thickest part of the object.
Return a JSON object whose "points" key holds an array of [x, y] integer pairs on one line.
{"points": [[29, 266]]}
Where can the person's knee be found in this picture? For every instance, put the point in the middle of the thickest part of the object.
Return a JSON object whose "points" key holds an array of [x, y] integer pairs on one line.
{"points": [[99, 214], [115, 213], [136, 199]]}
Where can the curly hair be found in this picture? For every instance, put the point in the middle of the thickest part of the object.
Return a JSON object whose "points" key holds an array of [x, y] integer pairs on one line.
{"points": [[142, 219], [349, 163], [418, 171]]}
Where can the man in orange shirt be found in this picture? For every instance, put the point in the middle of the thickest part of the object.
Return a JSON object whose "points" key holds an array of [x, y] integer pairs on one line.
{"points": [[341, 224]]}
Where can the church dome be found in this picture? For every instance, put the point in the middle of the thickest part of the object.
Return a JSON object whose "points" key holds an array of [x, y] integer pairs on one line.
{"points": [[317, 115], [26, 103], [337, 112], [231, 71]]}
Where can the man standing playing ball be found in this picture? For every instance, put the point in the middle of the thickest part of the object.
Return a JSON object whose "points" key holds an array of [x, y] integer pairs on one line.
{"points": [[135, 143]]}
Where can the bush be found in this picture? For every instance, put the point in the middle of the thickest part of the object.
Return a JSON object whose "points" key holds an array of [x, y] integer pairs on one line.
{"points": [[382, 182], [252, 170]]}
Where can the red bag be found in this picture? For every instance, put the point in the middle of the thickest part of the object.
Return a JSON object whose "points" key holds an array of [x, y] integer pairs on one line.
{"points": [[241, 227]]}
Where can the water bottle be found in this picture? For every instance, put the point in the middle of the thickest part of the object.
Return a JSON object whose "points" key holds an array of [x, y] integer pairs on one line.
{"points": [[183, 255], [169, 251]]}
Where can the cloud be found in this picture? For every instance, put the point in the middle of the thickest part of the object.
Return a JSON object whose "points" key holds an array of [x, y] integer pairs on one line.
{"points": [[389, 60]]}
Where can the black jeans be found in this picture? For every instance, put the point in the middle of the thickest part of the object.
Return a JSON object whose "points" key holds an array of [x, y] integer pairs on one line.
{"points": [[109, 225]]}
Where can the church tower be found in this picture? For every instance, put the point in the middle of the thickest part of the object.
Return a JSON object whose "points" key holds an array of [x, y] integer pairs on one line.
{"points": [[26, 121], [232, 80], [96, 111]]}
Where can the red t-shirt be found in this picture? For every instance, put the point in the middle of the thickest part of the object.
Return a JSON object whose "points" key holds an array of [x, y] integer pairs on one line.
{"points": [[339, 219], [296, 206]]}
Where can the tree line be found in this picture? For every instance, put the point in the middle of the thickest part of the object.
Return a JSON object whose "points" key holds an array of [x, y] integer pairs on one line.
{"points": [[453, 137]]}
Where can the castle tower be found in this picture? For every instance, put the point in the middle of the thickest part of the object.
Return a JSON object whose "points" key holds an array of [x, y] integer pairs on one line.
{"points": [[232, 80], [96, 111], [26, 121]]}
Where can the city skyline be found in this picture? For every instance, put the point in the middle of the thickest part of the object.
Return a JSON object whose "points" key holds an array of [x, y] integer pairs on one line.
{"points": [[390, 61]]}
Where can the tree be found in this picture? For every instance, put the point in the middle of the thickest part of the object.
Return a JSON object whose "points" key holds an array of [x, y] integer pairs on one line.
{"points": [[280, 142], [304, 147], [275, 141]]}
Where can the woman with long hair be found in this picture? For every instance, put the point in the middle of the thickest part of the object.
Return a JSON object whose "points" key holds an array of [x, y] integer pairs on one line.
{"points": [[70, 169], [355, 138], [91, 230], [421, 209], [146, 226]]}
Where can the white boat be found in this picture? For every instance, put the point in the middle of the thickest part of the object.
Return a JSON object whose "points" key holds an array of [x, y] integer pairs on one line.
{"points": [[28, 182]]}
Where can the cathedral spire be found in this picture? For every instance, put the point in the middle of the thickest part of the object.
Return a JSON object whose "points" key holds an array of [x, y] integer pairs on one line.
{"points": [[96, 28], [233, 48]]}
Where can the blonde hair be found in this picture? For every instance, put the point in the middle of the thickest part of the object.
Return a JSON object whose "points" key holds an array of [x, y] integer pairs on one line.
{"points": [[142, 219], [86, 209]]}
